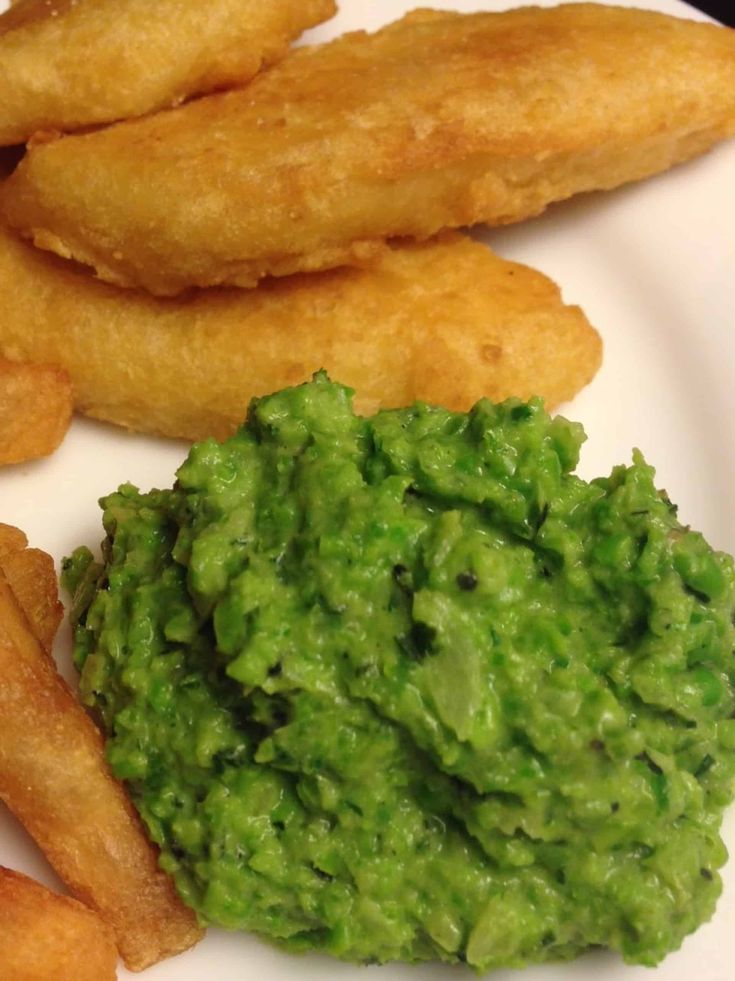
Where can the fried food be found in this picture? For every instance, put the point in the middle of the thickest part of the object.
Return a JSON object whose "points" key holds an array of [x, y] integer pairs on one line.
{"points": [[45, 936], [441, 119], [54, 778], [70, 63], [36, 403], [445, 322], [11, 540], [31, 576]]}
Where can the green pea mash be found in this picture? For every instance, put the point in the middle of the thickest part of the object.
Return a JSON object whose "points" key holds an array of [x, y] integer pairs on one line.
{"points": [[407, 688]]}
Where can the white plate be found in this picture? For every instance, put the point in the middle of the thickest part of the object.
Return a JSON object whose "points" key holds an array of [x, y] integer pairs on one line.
{"points": [[653, 266]]}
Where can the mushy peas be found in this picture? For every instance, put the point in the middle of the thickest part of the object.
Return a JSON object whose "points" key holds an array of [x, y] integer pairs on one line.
{"points": [[405, 687]]}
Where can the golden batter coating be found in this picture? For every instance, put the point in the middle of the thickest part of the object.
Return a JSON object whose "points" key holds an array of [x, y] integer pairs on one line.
{"points": [[446, 322], [71, 63], [441, 119]]}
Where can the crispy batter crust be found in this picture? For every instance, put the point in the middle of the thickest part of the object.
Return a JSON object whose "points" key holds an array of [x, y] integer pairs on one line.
{"points": [[12, 540], [31, 576], [447, 322], [70, 63], [45, 936], [54, 778], [440, 119], [35, 410]]}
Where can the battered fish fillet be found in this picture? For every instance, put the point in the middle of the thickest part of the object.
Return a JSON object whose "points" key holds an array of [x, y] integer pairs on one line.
{"points": [[441, 119], [446, 322], [71, 63]]}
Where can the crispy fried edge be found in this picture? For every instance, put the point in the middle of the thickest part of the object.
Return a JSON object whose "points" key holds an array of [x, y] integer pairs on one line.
{"points": [[46, 936], [36, 405], [53, 777], [32, 578]]}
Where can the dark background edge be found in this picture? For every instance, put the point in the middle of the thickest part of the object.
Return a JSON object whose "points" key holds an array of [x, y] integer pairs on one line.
{"points": [[722, 10]]}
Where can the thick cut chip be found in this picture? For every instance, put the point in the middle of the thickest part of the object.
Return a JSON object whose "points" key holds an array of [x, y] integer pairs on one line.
{"points": [[445, 322], [71, 63], [441, 119], [32, 577], [54, 778], [11, 540], [36, 403], [44, 936]]}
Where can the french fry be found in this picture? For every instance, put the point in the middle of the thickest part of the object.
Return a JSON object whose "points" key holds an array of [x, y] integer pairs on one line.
{"points": [[11, 540], [36, 404], [45, 936], [32, 577], [53, 777]]}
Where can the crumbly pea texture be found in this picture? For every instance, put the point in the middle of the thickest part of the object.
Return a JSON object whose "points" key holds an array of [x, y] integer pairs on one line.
{"points": [[406, 688]]}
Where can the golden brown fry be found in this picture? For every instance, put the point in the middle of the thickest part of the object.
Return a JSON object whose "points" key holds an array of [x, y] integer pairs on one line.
{"points": [[46, 937], [32, 577], [440, 119], [53, 777], [36, 403], [11, 540], [70, 63], [446, 322]]}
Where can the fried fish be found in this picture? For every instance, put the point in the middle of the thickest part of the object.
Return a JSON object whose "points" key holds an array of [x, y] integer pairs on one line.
{"points": [[445, 322], [440, 119], [71, 63]]}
